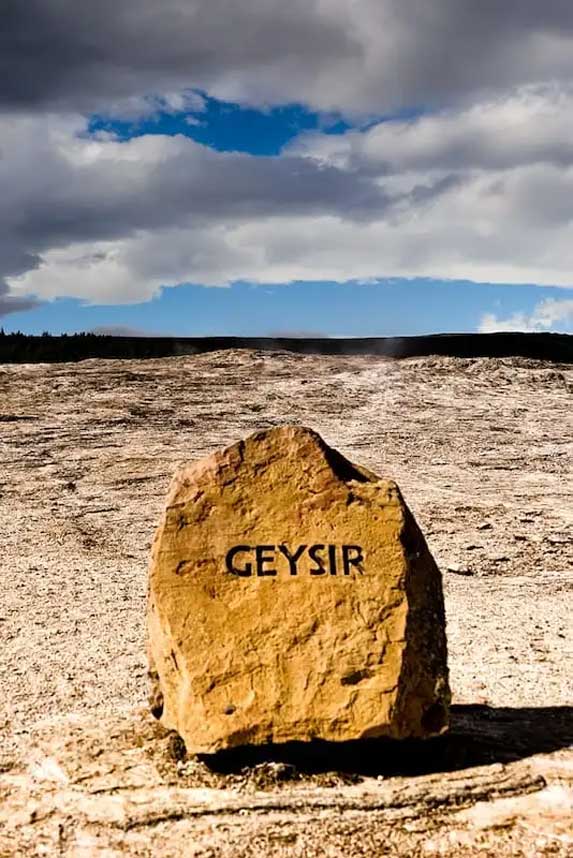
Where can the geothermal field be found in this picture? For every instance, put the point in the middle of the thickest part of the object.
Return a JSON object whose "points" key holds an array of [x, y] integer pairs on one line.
{"points": [[482, 451]]}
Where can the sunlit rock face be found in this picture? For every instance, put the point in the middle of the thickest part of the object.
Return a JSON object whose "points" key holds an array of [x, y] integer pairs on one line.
{"points": [[292, 597]]}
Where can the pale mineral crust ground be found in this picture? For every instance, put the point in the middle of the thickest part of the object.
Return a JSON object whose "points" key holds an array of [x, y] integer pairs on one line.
{"points": [[481, 450]]}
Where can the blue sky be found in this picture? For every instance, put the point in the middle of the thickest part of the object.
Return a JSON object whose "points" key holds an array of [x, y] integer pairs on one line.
{"points": [[335, 309], [225, 126], [266, 168]]}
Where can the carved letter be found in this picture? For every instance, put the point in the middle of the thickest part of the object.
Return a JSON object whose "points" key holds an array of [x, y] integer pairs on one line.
{"points": [[349, 561], [292, 558], [248, 568], [262, 552], [313, 552], [332, 558]]}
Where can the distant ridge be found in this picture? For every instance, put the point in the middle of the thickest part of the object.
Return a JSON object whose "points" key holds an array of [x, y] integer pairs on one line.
{"points": [[21, 348]]}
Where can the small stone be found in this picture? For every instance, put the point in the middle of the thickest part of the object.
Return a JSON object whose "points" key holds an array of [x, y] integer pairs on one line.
{"points": [[292, 597], [457, 569], [485, 525], [559, 539]]}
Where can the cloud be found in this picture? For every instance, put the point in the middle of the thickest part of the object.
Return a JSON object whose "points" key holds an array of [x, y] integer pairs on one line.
{"points": [[372, 56], [531, 124], [478, 188], [549, 315], [12, 304], [13, 259], [113, 221], [138, 107], [64, 56]]}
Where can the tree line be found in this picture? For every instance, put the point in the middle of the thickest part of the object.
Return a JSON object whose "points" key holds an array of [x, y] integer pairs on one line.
{"points": [[19, 347]]}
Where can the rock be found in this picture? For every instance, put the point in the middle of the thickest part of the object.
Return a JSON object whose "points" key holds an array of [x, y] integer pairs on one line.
{"points": [[559, 539], [457, 569], [292, 597]]}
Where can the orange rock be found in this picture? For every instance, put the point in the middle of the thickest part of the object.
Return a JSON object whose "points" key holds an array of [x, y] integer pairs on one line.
{"points": [[292, 596]]}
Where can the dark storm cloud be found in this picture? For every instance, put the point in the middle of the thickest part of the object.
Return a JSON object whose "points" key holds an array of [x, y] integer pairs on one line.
{"points": [[372, 55], [14, 260], [74, 55], [456, 48], [10, 304], [182, 182]]}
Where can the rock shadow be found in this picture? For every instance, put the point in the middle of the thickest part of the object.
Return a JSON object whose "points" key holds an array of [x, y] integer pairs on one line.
{"points": [[478, 736]]}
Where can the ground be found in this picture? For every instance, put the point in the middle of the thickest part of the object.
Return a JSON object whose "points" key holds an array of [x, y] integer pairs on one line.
{"points": [[482, 451]]}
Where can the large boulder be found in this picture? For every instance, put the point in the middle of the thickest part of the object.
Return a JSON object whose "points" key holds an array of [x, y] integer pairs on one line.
{"points": [[292, 596]]}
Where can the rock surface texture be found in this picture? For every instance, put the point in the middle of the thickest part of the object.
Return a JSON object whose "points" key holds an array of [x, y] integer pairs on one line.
{"points": [[292, 597]]}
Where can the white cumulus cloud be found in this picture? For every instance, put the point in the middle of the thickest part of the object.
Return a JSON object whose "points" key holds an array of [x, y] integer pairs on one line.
{"points": [[113, 221], [549, 315]]}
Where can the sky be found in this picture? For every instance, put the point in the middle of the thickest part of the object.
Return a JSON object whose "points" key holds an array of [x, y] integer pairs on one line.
{"points": [[256, 167]]}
